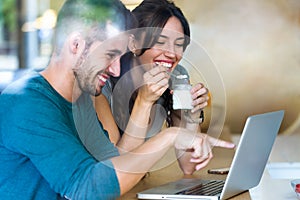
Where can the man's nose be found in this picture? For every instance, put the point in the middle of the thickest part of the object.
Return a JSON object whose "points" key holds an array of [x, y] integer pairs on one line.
{"points": [[114, 68]]}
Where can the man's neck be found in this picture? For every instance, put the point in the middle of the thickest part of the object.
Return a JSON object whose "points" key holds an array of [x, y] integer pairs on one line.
{"points": [[63, 81]]}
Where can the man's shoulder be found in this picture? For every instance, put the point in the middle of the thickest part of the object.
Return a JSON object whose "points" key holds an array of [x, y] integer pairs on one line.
{"points": [[26, 80], [29, 92]]}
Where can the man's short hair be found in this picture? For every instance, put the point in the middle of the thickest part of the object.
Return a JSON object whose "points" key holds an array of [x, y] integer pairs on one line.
{"points": [[91, 17]]}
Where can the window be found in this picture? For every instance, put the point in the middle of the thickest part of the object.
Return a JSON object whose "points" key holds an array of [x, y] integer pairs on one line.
{"points": [[26, 28]]}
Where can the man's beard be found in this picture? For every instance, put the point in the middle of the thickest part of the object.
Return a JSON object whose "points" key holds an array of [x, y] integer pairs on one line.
{"points": [[83, 77], [85, 83]]}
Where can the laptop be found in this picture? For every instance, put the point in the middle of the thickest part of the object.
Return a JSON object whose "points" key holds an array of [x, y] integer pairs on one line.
{"points": [[246, 169]]}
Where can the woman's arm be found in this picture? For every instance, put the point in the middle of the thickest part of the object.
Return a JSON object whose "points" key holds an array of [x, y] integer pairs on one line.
{"points": [[155, 83], [136, 129], [105, 116]]}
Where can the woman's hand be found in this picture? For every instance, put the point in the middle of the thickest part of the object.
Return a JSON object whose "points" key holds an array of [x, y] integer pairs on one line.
{"points": [[199, 96], [156, 81]]}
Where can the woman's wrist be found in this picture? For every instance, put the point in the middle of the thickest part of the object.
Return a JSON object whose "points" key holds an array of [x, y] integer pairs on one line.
{"points": [[190, 118], [142, 102]]}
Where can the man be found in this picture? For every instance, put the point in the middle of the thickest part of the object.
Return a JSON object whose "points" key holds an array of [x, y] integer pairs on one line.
{"points": [[51, 143], [41, 154]]}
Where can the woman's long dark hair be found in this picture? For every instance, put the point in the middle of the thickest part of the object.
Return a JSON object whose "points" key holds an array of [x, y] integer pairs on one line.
{"points": [[154, 14]]}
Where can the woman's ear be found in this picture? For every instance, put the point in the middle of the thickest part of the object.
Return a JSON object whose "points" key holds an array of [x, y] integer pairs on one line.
{"points": [[132, 44]]}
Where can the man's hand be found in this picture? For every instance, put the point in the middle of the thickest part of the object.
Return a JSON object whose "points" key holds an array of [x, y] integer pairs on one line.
{"points": [[199, 146]]}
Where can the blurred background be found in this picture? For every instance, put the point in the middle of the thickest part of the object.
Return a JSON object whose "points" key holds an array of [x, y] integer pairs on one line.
{"points": [[254, 44]]}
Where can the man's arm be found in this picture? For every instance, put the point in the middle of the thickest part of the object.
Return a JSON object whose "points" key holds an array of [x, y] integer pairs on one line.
{"points": [[131, 167]]}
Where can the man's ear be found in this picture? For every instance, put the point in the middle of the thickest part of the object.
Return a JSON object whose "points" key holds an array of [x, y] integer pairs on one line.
{"points": [[76, 43]]}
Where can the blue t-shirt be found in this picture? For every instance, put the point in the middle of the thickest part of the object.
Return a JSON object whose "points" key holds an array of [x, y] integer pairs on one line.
{"points": [[47, 143]]}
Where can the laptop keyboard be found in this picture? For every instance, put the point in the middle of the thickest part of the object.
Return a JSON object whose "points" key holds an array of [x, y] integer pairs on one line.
{"points": [[210, 188]]}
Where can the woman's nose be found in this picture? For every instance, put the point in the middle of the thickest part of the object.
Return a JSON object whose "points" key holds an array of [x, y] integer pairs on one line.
{"points": [[171, 51]]}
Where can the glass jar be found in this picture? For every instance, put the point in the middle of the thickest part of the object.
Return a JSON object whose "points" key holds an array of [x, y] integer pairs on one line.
{"points": [[182, 98]]}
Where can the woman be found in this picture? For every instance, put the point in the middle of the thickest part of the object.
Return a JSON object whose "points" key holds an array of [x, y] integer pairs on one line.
{"points": [[152, 63]]}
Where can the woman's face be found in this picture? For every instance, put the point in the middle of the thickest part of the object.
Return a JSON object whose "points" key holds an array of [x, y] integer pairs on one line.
{"points": [[168, 49]]}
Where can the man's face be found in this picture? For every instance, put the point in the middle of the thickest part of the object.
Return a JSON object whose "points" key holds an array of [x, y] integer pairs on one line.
{"points": [[100, 61]]}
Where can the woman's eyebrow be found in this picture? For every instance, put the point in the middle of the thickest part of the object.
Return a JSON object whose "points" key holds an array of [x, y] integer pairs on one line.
{"points": [[181, 38], [166, 37], [163, 36], [115, 51]]}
